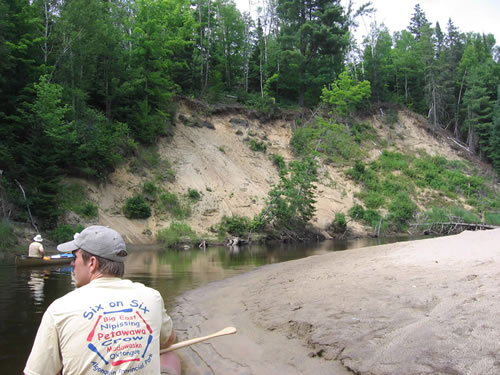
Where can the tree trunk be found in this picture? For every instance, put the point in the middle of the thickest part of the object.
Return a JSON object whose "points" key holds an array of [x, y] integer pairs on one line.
{"points": [[434, 104], [45, 45], [107, 95], [207, 54], [406, 88], [73, 96], [261, 75], [202, 54], [456, 131], [471, 136]]}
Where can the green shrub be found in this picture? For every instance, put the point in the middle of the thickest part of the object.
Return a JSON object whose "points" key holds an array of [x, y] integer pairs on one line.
{"points": [[437, 215], [278, 161], [234, 225], [357, 212], [362, 132], [339, 223], [7, 237], [64, 232], [171, 203], [302, 139], [87, 209], [149, 188], [401, 210], [262, 104], [467, 216], [176, 233], [357, 172], [337, 144], [492, 218], [256, 145], [372, 199], [149, 158], [74, 198], [371, 217], [194, 194], [166, 171], [391, 161], [136, 207], [391, 117]]}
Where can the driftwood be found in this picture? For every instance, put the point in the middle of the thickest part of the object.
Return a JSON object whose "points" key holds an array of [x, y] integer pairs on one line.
{"points": [[460, 144], [27, 206], [452, 227], [236, 242]]}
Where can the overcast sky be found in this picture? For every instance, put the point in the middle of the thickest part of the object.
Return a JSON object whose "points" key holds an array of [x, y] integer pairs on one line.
{"points": [[482, 16]]}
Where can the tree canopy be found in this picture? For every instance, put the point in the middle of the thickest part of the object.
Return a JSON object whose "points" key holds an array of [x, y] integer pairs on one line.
{"points": [[85, 82]]}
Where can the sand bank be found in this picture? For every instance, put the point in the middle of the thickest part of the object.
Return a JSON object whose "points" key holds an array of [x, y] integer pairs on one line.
{"points": [[423, 307]]}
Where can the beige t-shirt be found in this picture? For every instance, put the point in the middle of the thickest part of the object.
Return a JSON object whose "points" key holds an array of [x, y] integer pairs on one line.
{"points": [[109, 326], [34, 250]]}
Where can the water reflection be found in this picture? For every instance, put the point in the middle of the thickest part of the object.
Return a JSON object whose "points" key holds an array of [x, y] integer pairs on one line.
{"points": [[36, 283]]}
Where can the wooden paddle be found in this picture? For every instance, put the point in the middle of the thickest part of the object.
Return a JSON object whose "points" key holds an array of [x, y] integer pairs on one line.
{"points": [[182, 344]]}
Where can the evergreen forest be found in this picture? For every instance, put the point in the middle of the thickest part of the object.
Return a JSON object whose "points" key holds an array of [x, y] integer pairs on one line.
{"points": [[86, 83]]}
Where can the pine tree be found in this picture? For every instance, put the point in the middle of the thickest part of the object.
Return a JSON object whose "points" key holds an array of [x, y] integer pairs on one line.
{"points": [[309, 30], [417, 22]]}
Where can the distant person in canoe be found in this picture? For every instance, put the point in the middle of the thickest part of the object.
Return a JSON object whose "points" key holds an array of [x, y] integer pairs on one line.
{"points": [[36, 247], [108, 325]]}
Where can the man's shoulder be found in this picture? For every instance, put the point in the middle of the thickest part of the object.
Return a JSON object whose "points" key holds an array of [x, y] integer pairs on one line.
{"points": [[119, 284], [101, 290]]}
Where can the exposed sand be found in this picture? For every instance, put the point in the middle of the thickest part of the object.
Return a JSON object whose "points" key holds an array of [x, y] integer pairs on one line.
{"points": [[423, 307]]}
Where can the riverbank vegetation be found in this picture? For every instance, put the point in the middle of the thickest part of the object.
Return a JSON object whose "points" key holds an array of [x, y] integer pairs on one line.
{"points": [[87, 85]]}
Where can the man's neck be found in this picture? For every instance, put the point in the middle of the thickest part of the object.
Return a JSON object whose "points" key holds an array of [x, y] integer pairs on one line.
{"points": [[100, 275]]}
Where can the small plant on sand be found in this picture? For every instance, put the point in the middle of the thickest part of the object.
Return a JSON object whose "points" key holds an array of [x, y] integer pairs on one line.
{"points": [[194, 195], [256, 145], [339, 223], [171, 203], [149, 188], [279, 161]]}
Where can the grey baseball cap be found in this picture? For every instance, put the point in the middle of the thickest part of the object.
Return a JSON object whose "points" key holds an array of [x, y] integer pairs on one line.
{"points": [[97, 240]]}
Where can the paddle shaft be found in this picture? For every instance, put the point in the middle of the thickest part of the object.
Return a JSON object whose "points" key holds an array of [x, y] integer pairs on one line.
{"points": [[182, 344]]}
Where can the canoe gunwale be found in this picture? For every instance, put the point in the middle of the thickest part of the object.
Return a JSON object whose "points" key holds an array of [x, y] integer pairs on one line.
{"points": [[27, 261]]}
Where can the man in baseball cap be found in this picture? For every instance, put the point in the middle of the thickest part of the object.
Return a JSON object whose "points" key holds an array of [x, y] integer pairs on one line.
{"points": [[98, 240], [108, 324]]}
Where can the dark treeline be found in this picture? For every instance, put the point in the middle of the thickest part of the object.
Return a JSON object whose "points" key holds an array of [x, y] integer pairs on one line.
{"points": [[85, 82]]}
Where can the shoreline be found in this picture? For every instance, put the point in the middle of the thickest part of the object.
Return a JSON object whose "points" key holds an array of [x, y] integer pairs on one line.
{"points": [[418, 307]]}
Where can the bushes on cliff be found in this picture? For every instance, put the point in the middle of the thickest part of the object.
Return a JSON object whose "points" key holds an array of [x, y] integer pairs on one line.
{"points": [[136, 207]]}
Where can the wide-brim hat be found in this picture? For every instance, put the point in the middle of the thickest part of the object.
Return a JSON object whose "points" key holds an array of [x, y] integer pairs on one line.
{"points": [[38, 238], [97, 240]]}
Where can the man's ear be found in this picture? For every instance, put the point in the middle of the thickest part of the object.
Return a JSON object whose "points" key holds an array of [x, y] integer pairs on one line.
{"points": [[94, 264]]}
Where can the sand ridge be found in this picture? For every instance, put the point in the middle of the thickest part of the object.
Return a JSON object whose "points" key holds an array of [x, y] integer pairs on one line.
{"points": [[420, 307]]}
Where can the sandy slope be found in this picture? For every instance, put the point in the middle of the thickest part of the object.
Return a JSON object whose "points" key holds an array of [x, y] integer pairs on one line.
{"points": [[422, 307], [235, 180]]}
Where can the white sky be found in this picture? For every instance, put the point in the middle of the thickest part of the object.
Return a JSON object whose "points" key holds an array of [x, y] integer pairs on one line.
{"points": [[482, 16]]}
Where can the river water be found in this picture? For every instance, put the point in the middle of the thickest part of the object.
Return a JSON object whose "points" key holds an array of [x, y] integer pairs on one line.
{"points": [[26, 293]]}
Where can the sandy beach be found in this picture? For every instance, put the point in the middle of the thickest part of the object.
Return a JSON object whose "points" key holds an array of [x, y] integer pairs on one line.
{"points": [[423, 307]]}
